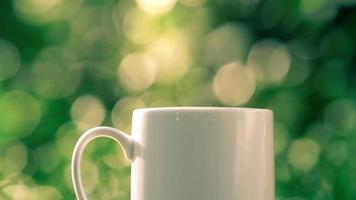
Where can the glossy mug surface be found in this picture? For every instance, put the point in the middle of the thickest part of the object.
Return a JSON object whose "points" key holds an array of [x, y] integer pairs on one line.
{"points": [[194, 153]]}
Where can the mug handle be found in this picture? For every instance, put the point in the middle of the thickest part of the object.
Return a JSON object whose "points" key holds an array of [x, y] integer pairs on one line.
{"points": [[122, 138]]}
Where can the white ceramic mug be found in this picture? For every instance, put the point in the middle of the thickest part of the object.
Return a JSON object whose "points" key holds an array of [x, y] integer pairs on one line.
{"points": [[193, 153]]}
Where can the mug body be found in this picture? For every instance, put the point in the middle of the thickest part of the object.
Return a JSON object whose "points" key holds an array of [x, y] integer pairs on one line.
{"points": [[202, 154]]}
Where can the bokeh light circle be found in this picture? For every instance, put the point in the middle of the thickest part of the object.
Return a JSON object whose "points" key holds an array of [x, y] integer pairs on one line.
{"points": [[234, 84], [14, 159], [137, 72], [337, 152], [341, 115], [9, 60], [156, 7], [25, 192], [171, 53], [337, 45], [139, 27], [44, 11], [227, 43], [319, 11], [66, 137], [48, 157], [18, 192], [53, 76], [87, 112], [45, 193], [270, 60], [304, 154], [20, 114]]}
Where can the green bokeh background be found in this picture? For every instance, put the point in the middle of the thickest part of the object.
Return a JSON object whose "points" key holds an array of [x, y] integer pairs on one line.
{"points": [[66, 66]]}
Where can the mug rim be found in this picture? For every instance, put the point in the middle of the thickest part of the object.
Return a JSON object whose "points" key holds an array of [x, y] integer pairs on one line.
{"points": [[201, 109]]}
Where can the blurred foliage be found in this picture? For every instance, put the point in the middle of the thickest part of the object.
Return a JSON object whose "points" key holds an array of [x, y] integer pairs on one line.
{"points": [[68, 65]]}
